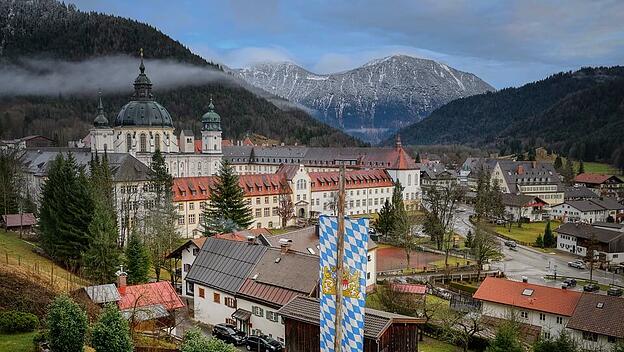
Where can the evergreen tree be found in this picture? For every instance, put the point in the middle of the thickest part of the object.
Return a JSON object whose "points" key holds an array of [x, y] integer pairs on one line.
{"points": [[539, 241], [417, 159], [111, 333], [496, 208], [397, 196], [384, 225], [66, 211], [137, 260], [483, 192], [581, 168], [568, 172], [531, 154], [549, 238], [226, 203], [67, 325], [558, 164], [103, 256], [506, 340], [469, 239], [162, 181], [9, 182]]}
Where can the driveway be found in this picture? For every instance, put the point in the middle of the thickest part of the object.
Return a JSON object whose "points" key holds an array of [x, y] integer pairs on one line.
{"points": [[185, 322]]}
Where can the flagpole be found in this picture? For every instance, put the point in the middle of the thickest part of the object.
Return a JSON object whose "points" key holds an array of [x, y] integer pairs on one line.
{"points": [[340, 258]]}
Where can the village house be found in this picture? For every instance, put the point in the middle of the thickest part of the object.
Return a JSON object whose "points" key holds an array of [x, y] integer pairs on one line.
{"points": [[436, 175], [523, 207], [538, 179], [579, 211], [596, 324], [383, 331], [602, 185], [23, 222], [34, 141], [607, 240], [245, 283], [545, 308], [307, 240], [578, 193]]}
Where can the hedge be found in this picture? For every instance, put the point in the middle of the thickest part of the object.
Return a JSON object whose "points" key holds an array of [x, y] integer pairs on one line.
{"points": [[13, 321], [463, 287]]}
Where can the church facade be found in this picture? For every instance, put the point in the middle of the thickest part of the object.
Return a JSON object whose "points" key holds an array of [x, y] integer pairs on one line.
{"points": [[144, 126]]}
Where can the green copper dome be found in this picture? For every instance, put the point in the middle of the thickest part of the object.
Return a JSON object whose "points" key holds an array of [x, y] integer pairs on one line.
{"points": [[211, 121], [143, 110]]}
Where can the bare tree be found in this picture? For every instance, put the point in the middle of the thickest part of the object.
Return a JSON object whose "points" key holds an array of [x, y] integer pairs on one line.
{"points": [[442, 203], [286, 209], [485, 247], [461, 327], [402, 233]]}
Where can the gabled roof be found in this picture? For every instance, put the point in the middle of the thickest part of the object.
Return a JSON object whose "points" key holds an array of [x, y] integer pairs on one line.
{"points": [[198, 188], [521, 200], [578, 192], [196, 242], [599, 314], [582, 205], [224, 265], [376, 322], [103, 293], [368, 178], [528, 173], [614, 238], [607, 203], [150, 294], [409, 288], [16, 220], [596, 179], [541, 298]]}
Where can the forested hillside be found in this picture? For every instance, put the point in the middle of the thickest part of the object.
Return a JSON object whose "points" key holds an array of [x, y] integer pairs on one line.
{"points": [[47, 29], [574, 113]]}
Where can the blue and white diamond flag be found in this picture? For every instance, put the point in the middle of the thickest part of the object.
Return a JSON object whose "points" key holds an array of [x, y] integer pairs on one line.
{"points": [[353, 282]]}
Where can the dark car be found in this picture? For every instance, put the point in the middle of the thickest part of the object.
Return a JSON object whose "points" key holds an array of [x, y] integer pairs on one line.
{"points": [[615, 291], [263, 344], [591, 288], [569, 282], [228, 333]]}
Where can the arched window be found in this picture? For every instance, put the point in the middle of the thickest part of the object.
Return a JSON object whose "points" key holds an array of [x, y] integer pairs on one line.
{"points": [[128, 142], [409, 180], [157, 141], [301, 184], [143, 142]]}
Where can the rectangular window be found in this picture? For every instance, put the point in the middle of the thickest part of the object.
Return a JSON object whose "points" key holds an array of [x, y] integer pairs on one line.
{"points": [[590, 336], [230, 302], [187, 267], [181, 220], [524, 314], [542, 316], [258, 213], [181, 207], [191, 206], [267, 212], [559, 320], [257, 311], [191, 218], [202, 293], [368, 257], [266, 200], [272, 316], [258, 200], [275, 211], [274, 199], [216, 297]]}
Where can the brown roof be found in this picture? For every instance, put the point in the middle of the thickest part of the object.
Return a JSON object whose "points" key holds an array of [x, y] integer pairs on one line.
{"points": [[176, 253], [594, 179], [599, 314], [271, 295], [541, 298], [14, 220], [376, 322], [149, 294], [327, 181]]}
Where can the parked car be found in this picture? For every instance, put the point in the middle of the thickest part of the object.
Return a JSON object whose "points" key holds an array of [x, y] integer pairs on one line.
{"points": [[228, 333], [500, 222], [569, 282], [615, 291], [579, 264], [263, 343], [591, 288], [511, 244]]}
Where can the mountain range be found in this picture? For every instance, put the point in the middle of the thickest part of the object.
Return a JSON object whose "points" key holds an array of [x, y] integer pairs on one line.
{"points": [[382, 95], [62, 35], [579, 114]]}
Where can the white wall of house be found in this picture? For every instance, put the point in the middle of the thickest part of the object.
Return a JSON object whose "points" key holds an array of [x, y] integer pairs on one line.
{"points": [[260, 323], [568, 213], [569, 244], [188, 257], [550, 323], [207, 310], [371, 269], [523, 212], [592, 342], [410, 180]]}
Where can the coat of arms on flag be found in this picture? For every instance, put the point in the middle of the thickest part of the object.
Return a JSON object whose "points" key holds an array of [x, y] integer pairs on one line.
{"points": [[353, 282]]}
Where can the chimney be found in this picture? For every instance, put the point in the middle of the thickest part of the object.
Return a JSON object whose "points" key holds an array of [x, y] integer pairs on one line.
{"points": [[121, 280], [251, 239], [525, 279], [285, 244], [520, 170], [533, 164]]}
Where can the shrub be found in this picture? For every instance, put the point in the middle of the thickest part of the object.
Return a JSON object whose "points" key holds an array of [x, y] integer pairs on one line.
{"points": [[111, 333], [12, 321], [463, 287], [67, 325]]}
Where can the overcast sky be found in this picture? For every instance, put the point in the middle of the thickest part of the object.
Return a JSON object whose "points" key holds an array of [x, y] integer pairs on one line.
{"points": [[507, 43]]}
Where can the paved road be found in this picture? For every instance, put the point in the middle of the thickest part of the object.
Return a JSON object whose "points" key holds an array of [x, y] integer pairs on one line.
{"points": [[533, 264]]}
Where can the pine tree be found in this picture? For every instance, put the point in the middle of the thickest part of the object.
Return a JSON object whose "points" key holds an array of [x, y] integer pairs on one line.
{"points": [[137, 260], [162, 181], [384, 224], [469, 239], [581, 168], [496, 208], [549, 239], [66, 211], [417, 159], [397, 196], [227, 203], [558, 164], [568, 172], [111, 333], [483, 192], [539, 241]]}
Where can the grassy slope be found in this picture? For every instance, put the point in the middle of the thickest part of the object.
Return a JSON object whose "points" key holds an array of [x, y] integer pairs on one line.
{"points": [[17, 342], [528, 232]]}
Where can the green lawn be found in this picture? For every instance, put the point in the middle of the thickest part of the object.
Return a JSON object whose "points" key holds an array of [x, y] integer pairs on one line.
{"points": [[17, 342], [598, 168], [527, 233], [432, 345]]}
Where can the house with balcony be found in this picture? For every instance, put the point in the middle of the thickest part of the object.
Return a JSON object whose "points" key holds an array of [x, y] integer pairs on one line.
{"points": [[607, 241]]}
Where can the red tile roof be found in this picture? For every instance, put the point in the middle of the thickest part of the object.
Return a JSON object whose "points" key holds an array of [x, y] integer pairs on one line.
{"points": [[247, 142], [226, 143], [15, 220], [409, 288], [198, 146], [326, 181], [543, 298], [149, 294], [592, 178], [198, 188]]}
